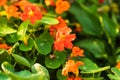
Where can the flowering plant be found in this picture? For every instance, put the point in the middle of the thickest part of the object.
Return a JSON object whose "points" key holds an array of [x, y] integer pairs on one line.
{"points": [[59, 40]]}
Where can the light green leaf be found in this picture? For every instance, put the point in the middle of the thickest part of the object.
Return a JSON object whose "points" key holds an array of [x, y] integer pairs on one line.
{"points": [[5, 28], [116, 71], [49, 20], [36, 68], [3, 76], [22, 30], [88, 65]]}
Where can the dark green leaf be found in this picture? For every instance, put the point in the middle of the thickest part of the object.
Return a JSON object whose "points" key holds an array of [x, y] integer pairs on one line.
{"points": [[27, 47], [89, 22], [44, 43], [60, 56], [12, 38], [95, 46], [52, 63], [4, 56], [110, 29], [60, 76]]}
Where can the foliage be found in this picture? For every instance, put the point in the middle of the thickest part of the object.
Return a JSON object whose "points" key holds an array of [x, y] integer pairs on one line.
{"points": [[59, 40]]}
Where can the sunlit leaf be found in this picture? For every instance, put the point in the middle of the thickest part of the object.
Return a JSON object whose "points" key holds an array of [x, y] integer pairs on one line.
{"points": [[27, 47], [49, 20], [22, 30], [21, 60], [44, 43]]}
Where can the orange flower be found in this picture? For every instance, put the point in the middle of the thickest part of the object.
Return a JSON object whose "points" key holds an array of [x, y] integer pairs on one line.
{"points": [[54, 28], [4, 46], [118, 65], [12, 11], [3, 2], [73, 78], [71, 66], [63, 39], [61, 6], [49, 2], [22, 4], [31, 12], [76, 51]]}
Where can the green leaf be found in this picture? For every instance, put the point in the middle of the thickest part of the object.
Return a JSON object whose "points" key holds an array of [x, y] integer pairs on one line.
{"points": [[3, 76], [110, 29], [22, 30], [52, 63], [89, 22], [21, 60], [44, 43], [60, 56], [95, 46], [23, 74], [49, 20], [5, 28], [113, 77], [12, 38], [60, 76], [4, 56], [7, 67], [27, 47], [36, 68], [116, 71], [88, 65], [92, 78]]}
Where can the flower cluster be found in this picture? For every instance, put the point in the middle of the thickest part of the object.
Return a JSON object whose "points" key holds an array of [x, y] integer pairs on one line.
{"points": [[23, 10]]}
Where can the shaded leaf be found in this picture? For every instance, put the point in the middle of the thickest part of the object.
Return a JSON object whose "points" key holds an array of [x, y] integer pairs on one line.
{"points": [[95, 46], [60, 76], [89, 22], [4, 56], [12, 38]]}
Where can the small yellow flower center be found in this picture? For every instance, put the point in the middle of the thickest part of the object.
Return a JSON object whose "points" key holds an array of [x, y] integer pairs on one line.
{"points": [[31, 13]]}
